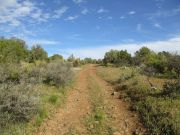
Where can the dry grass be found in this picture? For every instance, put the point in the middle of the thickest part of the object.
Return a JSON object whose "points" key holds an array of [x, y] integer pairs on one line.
{"points": [[159, 114]]}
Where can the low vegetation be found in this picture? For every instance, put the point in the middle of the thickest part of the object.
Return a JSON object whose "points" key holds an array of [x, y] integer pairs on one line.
{"points": [[31, 86], [96, 122], [151, 81], [156, 100]]}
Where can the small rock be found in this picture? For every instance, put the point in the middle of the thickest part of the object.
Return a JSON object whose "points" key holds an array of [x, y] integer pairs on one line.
{"points": [[91, 126], [96, 122], [153, 88], [116, 133], [116, 94]]}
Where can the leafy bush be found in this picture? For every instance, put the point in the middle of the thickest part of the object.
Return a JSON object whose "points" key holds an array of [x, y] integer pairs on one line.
{"points": [[37, 53], [171, 89], [10, 73], [156, 118], [35, 75], [58, 74], [17, 103], [12, 50]]}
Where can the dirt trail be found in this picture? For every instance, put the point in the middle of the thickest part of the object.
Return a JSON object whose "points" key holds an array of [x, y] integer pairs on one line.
{"points": [[69, 120], [121, 119]]}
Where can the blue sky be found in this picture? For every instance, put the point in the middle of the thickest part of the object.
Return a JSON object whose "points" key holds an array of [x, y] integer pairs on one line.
{"points": [[89, 28]]}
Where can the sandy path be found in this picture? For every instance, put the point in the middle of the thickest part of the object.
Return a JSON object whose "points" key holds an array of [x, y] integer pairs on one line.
{"points": [[69, 120]]}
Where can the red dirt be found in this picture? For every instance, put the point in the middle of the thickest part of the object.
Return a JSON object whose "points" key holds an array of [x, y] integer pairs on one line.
{"points": [[69, 119]]}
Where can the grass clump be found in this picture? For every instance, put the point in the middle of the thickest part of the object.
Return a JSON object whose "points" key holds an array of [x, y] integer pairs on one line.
{"points": [[53, 99], [42, 114]]}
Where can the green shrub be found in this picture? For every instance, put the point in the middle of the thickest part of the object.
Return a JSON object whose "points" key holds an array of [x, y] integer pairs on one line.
{"points": [[53, 99], [58, 74], [10, 73], [18, 103], [171, 89], [156, 117]]}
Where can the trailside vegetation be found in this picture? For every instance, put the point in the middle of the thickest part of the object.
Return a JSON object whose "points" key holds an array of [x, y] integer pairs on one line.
{"points": [[31, 85]]}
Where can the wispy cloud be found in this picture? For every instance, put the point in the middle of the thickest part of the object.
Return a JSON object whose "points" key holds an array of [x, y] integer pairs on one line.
{"points": [[139, 27], [43, 42], [71, 18], [78, 1], [157, 25], [102, 10], [131, 12], [164, 13], [122, 17], [171, 45], [84, 11], [60, 12]]}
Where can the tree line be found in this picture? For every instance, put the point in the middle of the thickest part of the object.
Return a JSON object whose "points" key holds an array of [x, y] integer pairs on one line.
{"points": [[162, 63]]}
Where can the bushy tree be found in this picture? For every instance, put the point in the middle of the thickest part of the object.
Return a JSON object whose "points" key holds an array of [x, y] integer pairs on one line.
{"points": [[56, 57], [123, 58], [174, 64], [157, 61], [37, 53], [71, 58], [110, 57], [142, 55], [12, 50], [117, 57]]}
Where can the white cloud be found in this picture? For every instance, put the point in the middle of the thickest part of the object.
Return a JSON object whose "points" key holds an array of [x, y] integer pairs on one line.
{"points": [[60, 12], [131, 12], [71, 18], [171, 45], [122, 17], [78, 1], [43, 42], [102, 10], [164, 13], [157, 25], [14, 12], [84, 11]]}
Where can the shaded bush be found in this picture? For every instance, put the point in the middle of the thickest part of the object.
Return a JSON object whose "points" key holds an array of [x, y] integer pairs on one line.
{"points": [[10, 73], [58, 74], [35, 75], [171, 89], [156, 118], [17, 103]]}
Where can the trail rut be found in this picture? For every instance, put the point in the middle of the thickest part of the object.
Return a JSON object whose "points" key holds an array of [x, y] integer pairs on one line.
{"points": [[69, 119]]}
